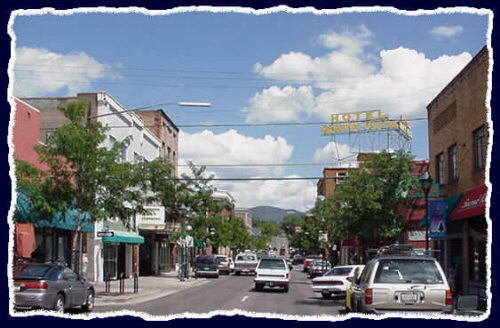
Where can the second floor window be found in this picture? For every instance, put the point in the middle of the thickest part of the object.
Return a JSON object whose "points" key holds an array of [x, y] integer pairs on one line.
{"points": [[480, 147], [453, 163], [440, 168]]}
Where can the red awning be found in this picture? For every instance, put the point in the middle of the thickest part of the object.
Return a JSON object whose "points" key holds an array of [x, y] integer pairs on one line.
{"points": [[473, 203]]}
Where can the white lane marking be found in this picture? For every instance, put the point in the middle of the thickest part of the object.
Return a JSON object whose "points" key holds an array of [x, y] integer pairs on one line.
{"points": [[244, 298]]}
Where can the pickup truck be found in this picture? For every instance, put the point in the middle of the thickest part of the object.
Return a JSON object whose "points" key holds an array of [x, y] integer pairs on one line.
{"points": [[245, 263]]}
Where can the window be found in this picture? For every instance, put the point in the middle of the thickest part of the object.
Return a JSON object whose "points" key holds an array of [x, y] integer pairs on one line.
{"points": [[453, 163], [440, 168], [47, 135], [112, 141], [480, 147], [340, 177], [123, 155]]}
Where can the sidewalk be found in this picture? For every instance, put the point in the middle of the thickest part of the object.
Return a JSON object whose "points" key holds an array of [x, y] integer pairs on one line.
{"points": [[150, 288]]}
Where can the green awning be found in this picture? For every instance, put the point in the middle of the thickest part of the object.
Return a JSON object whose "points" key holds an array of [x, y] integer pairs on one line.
{"points": [[67, 220], [124, 237], [200, 243]]}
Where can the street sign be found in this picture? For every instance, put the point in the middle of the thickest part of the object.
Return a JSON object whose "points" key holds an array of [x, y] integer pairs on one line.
{"points": [[105, 234]]}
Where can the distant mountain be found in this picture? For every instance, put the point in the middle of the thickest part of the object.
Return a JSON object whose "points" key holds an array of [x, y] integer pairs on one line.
{"points": [[270, 213]]}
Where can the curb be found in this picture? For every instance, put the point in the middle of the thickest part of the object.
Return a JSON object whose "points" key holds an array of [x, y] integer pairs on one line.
{"points": [[150, 295]]}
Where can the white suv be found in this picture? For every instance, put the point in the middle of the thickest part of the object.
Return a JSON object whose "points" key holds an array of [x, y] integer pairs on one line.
{"points": [[272, 272], [394, 282]]}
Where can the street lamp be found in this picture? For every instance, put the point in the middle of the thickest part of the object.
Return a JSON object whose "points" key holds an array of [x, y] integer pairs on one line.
{"points": [[181, 104], [426, 184]]}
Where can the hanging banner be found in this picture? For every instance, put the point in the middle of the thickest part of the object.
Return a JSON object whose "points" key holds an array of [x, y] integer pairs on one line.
{"points": [[437, 213]]}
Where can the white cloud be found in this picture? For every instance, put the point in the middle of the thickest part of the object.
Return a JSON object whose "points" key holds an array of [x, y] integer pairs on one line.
{"points": [[334, 152], [287, 194], [404, 84], [348, 41], [446, 31], [38, 71], [231, 147], [280, 104]]}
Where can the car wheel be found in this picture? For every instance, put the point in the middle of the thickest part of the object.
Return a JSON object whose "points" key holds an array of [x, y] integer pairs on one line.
{"points": [[285, 288], [236, 273], [259, 287], [89, 303], [59, 305]]}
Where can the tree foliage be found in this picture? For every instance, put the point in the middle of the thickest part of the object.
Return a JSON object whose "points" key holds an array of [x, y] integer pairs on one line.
{"points": [[366, 204]]}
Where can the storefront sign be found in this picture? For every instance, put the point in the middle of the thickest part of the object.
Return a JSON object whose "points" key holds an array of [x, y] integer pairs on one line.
{"points": [[404, 192], [417, 235], [153, 220], [364, 121], [472, 203], [437, 212]]}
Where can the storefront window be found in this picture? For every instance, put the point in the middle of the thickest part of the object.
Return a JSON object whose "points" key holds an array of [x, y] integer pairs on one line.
{"points": [[477, 264]]}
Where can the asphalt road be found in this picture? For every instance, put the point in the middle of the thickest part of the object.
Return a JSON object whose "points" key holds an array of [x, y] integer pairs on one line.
{"points": [[236, 292]]}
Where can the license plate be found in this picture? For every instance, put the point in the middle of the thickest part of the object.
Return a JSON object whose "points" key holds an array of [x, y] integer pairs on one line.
{"points": [[206, 268], [409, 297]]}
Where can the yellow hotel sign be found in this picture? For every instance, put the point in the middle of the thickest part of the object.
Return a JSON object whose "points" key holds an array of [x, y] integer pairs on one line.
{"points": [[364, 121]]}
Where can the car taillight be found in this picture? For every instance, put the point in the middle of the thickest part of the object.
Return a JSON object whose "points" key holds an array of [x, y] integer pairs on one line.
{"points": [[36, 285], [287, 275], [369, 296], [449, 297], [255, 273]]}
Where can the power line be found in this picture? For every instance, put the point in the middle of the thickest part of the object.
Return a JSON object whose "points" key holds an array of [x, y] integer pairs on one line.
{"points": [[254, 124], [182, 85], [250, 179], [336, 79], [259, 165]]}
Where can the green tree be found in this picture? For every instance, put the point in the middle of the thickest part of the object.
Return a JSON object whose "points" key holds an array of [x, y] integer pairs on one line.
{"points": [[82, 175], [366, 204]]}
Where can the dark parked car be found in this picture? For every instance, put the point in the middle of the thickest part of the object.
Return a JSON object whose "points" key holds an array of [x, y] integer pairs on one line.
{"points": [[206, 265], [298, 259], [51, 286]]}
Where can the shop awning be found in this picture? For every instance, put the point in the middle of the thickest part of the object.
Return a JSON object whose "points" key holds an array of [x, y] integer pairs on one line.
{"points": [[67, 221], [60, 220], [472, 203], [124, 237], [200, 243]]}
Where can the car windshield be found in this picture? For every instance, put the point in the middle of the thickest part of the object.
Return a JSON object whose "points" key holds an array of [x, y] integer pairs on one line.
{"points": [[408, 272], [205, 260], [339, 272], [245, 258], [271, 264], [32, 271]]}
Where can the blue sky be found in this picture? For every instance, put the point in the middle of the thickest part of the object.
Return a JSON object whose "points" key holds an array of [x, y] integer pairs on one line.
{"points": [[275, 68]]}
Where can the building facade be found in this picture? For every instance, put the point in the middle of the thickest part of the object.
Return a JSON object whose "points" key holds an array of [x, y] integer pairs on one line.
{"points": [[159, 252], [458, 143], [107, 257]]}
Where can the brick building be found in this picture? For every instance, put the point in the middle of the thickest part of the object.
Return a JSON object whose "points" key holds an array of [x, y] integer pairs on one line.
{"points": [[458, 137]]}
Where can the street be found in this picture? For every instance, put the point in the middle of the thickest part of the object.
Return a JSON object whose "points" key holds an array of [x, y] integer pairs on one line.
{"points": [[236, 292]]}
